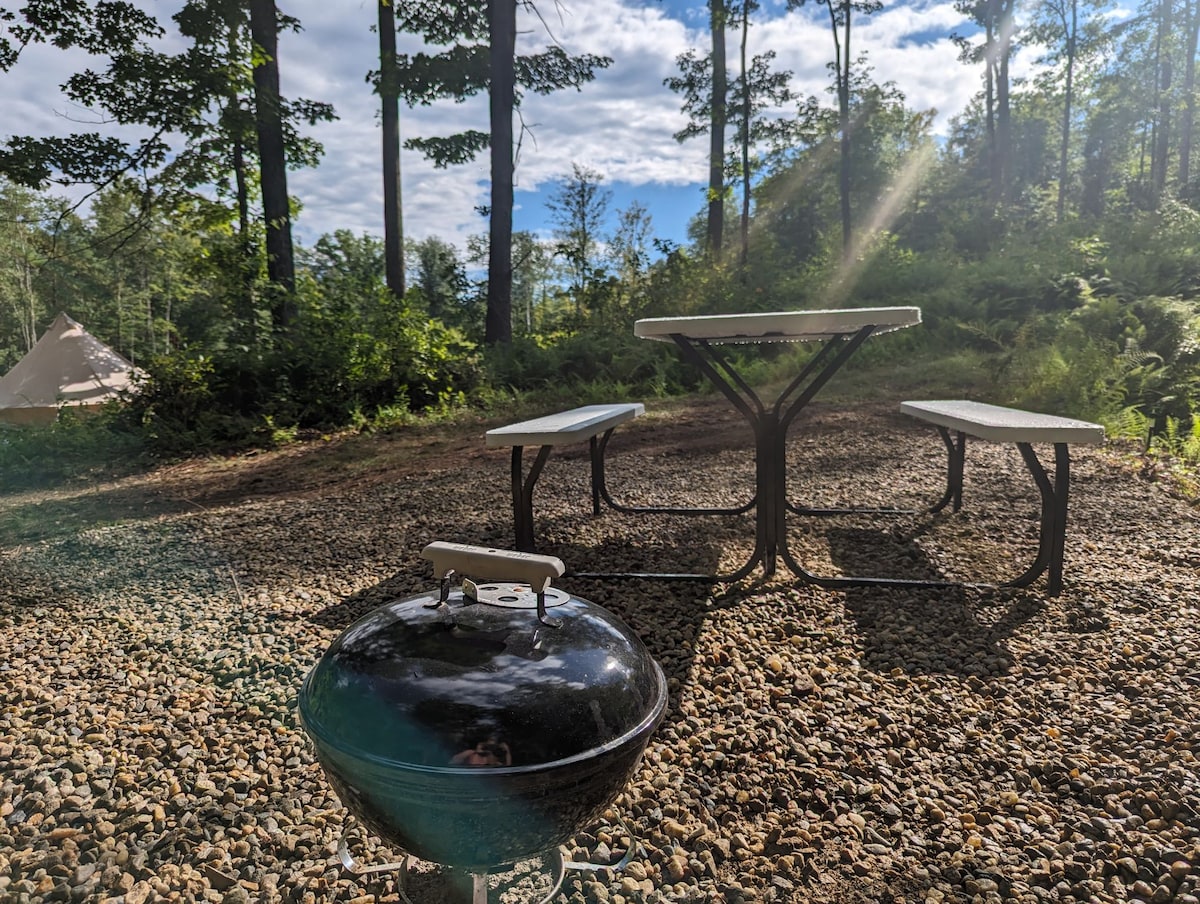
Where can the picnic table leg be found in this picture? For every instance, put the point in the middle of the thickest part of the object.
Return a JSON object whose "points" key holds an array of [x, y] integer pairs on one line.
{"points": [[769, 465], [523, 495], [956, 453], [1062, 489], [596, 447], [1052, 532]]}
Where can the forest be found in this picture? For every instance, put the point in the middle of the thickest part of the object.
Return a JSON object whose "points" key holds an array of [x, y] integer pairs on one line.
{"points": [[1051, 238]]}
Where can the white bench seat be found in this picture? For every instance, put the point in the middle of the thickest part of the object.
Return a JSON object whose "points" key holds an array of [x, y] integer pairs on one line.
{"points": [[996, 423], [593, 423], [564, 427], [1004, 425]]}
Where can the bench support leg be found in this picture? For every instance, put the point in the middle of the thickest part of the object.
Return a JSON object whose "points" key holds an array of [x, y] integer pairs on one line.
{"points": [[523, 495], [1052, 531], [1052, 534], [596, 447], [956, 453]]}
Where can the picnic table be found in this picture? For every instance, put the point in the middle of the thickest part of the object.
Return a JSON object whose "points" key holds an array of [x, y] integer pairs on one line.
{"points": [[842, 332]]}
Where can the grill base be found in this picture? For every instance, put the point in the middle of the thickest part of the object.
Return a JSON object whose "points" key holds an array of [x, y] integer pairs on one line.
{"points": [[517, 883]]}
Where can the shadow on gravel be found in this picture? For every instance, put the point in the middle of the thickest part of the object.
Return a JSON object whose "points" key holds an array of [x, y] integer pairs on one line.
{"points": [[668, 615], [64, 512], [400, 585], [952, 630]]}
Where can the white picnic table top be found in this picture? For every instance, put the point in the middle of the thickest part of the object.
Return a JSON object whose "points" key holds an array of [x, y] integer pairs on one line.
{"points": [[777, 326]]}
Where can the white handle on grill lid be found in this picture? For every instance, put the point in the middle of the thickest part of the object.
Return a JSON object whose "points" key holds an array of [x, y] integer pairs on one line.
{"points": [[495, 564]]}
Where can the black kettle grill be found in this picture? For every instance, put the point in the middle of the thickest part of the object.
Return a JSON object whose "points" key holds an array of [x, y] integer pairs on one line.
{"points": [[480, 726]]}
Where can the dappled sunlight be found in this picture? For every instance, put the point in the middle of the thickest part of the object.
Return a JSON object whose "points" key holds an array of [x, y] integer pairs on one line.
{"points": [[892, 202], [890, 205]]}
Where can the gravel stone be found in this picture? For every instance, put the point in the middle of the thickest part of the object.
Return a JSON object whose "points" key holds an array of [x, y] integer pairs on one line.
{"points": [[897, 744]]}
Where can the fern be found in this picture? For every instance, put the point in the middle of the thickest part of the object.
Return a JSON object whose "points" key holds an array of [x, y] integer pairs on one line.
{"points": [[1131, 422]]}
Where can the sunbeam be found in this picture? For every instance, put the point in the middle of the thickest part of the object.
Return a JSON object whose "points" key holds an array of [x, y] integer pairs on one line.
{"points": [[884, 214]]}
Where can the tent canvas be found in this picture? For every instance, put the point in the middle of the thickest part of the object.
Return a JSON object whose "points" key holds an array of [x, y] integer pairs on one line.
{"points": [[66, 366]]}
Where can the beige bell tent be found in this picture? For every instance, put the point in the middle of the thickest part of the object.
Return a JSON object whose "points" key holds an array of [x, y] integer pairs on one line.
{"points": [[67, 366]]}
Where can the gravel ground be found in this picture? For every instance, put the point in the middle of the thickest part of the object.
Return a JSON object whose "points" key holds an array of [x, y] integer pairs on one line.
{"points": [[946, 744]]}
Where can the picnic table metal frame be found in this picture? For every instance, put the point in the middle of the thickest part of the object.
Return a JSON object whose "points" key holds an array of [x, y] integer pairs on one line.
{"points": [[995, 423], [843, 332], [560, 428]]}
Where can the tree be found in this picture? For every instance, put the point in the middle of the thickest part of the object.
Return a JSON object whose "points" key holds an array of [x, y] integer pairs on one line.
{"points": [[531, 273], [578, 208], [704, 84], [747, 100], [1163, 74], [628, 255], [272, 159], [388, 86], [439, 274], [350, 271], [1070, 44], [113, 29], [718, 15], [106, 27], [195, 110], [761, 90], [888, 136], [755, 90], [485, 60], [502, 83], [23, 253], [996, 19], [1191, 26], [841, 14], [1130, 139]]}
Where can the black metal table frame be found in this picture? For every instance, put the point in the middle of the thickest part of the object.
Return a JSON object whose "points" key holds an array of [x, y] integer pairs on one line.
{"points": [[770, 424]]}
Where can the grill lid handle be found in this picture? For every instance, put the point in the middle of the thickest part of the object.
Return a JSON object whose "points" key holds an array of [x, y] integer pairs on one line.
{"points": [[495, 564]]}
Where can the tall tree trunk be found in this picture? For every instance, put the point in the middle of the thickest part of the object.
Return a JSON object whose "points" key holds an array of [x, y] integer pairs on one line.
{"points": [[242, 187], [993, 160], [502, 31], [843, 60], [237, 125], [272, 159], [1162, 88], [1188, 118], [1003, 109], [389, 95], [1068, 97], [745, 134], [716, 151], [246, 315]]}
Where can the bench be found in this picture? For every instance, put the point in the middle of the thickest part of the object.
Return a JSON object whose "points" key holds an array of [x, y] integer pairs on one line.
{"points": [[998, 424], [594, 423]]}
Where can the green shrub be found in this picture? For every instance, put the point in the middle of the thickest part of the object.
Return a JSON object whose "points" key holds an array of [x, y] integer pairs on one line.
{"points": [[73, 447]]}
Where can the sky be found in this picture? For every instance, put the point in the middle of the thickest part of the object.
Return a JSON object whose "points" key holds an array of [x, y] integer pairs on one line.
{"points": [[621, 125]]}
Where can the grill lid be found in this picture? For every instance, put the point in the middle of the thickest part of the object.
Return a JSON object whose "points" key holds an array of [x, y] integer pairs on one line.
{"points": [[483, 676]]}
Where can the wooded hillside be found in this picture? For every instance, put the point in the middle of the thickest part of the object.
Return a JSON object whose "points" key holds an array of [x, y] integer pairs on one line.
{"points": [[1051, 237]]}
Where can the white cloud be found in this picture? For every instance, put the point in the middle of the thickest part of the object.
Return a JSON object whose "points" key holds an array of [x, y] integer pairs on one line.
{"points": [[622, 124]]}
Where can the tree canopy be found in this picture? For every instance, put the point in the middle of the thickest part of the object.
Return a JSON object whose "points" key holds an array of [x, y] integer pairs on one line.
{"points": [[1050, 233]]}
